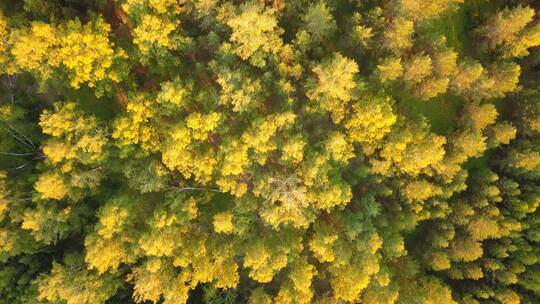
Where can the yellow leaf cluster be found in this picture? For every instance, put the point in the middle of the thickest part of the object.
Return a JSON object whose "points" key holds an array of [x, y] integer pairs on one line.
{"points": [[44, 40], [339, 148], [475, 82], [526, 160], [152, 286], [210, 261], [418, 68], [234, 185], [480, 116], [135, 127], [411, 150], [223, 222], [264, 262], [201, 124], [350, 279], [173, 93], [57, 151], [112, 218], [4, 37], [238, 90], [59, 123], [420, 190], [159, 6], [437, 292], [321, 244], [440, 261], [468, 74], [426, 9], [180, 153], [371, 120], [105, 254], [528, 39], [84, 50], [503, 78], [467, 144], [297, 287], [286, 202], [398, 37], [258, 296], [503, 133], [390, 69], [154, 31], [75, 137], [426, 152], [236, 159], [160, 242], [73, 287], [363, 33], [7, 241], [293, 150], [330, 194], [87, 52], [51, 185], [431, 87], [334, 85], [505, 26], [445, 62], [259, 136], [3, 194], [255, 29]]}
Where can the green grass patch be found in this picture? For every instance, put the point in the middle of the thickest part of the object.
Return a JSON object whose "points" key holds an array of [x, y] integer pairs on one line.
{"points": [[104, 108], [441, 112], [458, 27]]}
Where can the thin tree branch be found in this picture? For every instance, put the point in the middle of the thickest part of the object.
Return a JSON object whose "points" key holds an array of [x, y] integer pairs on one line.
{"points": [[18, 154], [28, 139], [182, 189], [19, 167], [21, 140]]}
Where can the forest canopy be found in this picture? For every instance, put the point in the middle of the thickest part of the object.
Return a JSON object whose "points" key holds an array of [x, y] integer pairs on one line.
{"points": [[270, 151]]}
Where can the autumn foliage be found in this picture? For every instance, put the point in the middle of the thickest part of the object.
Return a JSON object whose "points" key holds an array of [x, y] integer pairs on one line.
{"points": [[292, 151]]}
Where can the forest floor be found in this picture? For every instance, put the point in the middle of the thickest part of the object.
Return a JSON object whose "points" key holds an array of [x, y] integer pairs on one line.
{"points": [[443, 110]]}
